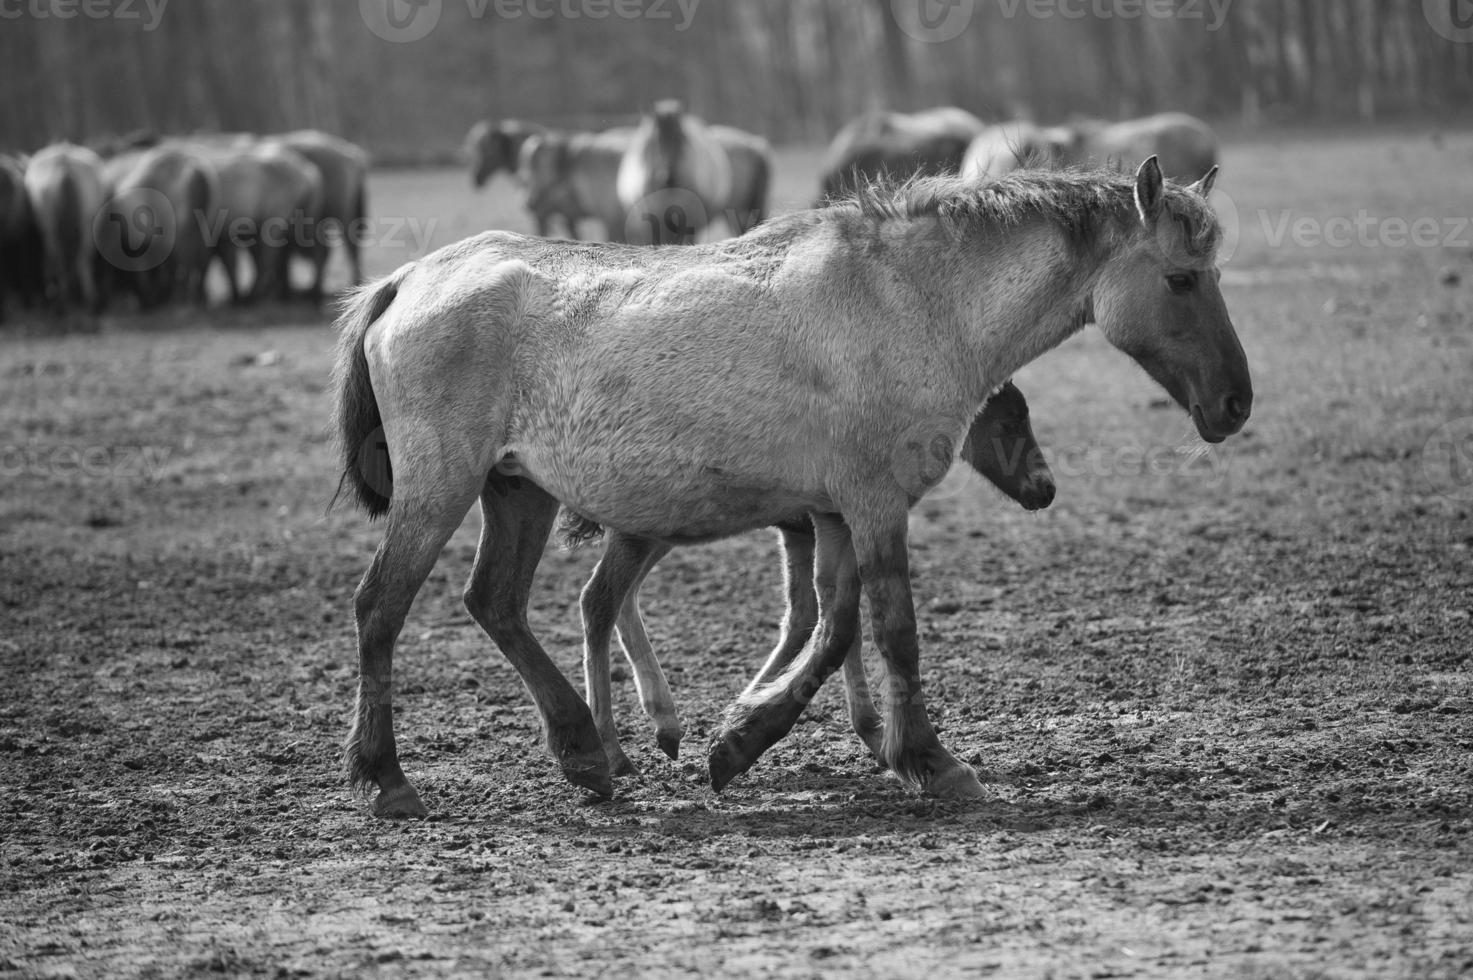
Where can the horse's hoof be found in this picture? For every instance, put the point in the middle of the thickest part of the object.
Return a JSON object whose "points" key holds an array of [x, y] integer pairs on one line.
{"points": [[399, 803], [960, 783], [669, 743], [619, 763], [726, 762], [595, 779]]}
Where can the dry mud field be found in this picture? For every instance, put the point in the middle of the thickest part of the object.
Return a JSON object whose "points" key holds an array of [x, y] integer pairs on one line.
{"points": [[1221, 699]]}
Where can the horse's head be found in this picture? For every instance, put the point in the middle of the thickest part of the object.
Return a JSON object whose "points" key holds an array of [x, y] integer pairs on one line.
{"points": [[1157, 299], [489, 149], [1000, 445]]}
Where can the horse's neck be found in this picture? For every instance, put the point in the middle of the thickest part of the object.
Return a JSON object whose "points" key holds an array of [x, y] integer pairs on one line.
{"points": [[1016, 294]]}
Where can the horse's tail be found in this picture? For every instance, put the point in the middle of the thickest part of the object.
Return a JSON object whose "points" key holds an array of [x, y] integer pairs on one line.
{"points": [[366, 467], [575, 530]]}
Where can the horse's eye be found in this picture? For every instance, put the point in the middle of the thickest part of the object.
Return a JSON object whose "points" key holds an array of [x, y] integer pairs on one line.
{"points": [[1181, 282]]}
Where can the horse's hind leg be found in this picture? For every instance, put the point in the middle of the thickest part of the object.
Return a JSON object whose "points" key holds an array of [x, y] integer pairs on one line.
{"points": [[760, 717], [614, 582], [419, 524], [517, 517], [649, 678], [801, 615]]}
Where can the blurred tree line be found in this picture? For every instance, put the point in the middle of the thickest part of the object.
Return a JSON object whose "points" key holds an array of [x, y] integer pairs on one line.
{"points": [[792, 69]]}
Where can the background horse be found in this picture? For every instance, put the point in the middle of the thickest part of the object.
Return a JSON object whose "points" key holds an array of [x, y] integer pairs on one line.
{"points": [[1003, 148], [491, 147], [270, 200], [65, 189], [750, 159], [344, 205], [999, 444], [674, 177], [897, 145], [1185, 145], [683, 395], [576, 175], [152, 229], [21, 274]]}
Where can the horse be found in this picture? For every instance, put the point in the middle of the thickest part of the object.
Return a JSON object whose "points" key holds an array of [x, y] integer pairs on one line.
{"points": [[269, 202], [1185, 145], [151, 230], [576, 175], [21, 273], [344, 207], [491, 147], [1006, 147], [752, 167], [673, 179], [999, 444], [896, 145], [64, 185], [688, 394]]}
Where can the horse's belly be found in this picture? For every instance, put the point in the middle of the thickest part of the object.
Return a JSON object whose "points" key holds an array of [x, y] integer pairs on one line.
{"points": [[659, 495]]}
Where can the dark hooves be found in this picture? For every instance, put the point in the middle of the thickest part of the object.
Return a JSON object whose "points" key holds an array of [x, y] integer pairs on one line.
{"points": [[669, 743]]}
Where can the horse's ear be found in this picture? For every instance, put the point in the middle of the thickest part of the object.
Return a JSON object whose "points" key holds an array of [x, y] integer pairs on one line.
{"points": [[1204, 185], [1149, 192]]}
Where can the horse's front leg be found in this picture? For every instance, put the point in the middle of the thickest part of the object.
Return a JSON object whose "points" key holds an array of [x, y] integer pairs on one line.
{"points": [[761, 716], [909, 747]]}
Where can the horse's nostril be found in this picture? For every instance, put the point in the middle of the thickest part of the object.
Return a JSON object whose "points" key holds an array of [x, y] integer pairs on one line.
{"points": [[1236, 410]]}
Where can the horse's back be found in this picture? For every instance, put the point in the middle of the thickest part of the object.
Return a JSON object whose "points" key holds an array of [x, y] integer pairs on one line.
{"points": [[343, 165], [1185, 145], [898, 145]]}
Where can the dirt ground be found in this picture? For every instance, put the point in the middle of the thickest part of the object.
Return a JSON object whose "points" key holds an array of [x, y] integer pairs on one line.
{"points": [[1221, 700]]}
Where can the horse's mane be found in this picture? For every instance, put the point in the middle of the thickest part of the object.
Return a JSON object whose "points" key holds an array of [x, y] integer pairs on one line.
{"points": [[1083, 203]]}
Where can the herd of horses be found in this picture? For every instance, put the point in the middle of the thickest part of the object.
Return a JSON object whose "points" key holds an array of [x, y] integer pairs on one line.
{"points": [[144, 218], [816, 372], [666, 179]]}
